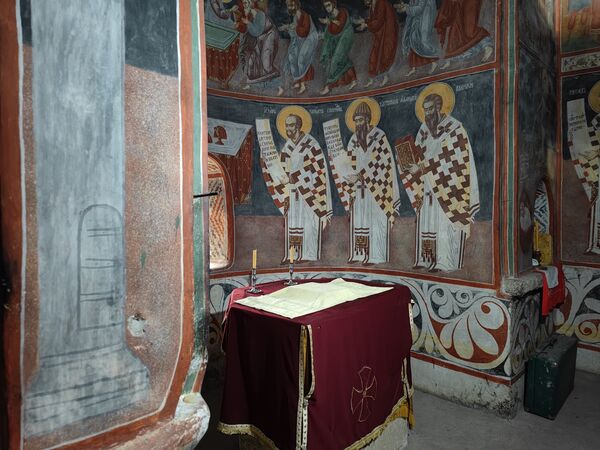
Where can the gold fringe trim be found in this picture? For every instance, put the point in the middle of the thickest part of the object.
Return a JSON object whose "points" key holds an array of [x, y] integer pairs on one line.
{"points": [[312, 365], [401, 410], [300, 417], [249, 430]]}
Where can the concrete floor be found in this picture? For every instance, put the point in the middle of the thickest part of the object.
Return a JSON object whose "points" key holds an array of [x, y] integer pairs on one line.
{"points": [[441, 424]]}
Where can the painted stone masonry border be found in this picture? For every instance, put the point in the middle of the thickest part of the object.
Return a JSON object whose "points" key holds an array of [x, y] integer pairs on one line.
{"points": [[487, 336], [580, 62]]}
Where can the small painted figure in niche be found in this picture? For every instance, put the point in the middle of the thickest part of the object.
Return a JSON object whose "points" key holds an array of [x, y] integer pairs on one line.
{"points": [[461, 36], [366, 180], [584, 146], [525, 224], [383, 24], [298, 181], [440, 178], [304, 39], [258, 49], [337, 43], [419, 40]]}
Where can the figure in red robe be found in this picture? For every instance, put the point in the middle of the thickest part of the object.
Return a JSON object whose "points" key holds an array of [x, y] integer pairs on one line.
{"points": [[384, 26], [595, 23], [420, 43], [461, 36]]}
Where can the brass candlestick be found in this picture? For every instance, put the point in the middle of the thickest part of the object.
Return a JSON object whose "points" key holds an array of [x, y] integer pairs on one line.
{"points": [[253, 289]]}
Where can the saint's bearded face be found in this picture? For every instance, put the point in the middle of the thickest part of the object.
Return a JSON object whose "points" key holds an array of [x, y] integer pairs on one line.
{"points": [[292, 129], [362, 129], [432, 116]]}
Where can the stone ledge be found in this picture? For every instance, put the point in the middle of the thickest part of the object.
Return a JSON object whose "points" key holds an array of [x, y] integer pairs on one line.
{"points": [[522, 284]]}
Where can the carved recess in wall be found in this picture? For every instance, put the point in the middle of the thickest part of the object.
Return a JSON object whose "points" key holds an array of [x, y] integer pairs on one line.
{"points": [[580, 314], [467, 326]]}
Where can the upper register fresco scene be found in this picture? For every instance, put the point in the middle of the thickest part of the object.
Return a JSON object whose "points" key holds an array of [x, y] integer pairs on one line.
{"points": [[289, 48]]}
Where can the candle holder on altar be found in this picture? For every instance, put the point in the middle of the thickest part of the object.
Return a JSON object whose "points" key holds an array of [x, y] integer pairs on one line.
{"points": [[290, 281], [253, 289]]}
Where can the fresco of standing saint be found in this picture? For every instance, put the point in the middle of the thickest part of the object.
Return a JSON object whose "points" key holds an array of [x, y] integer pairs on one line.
{"points": [[337, 43], [297, 180], [304, 39], [457, 24], [440, 178], [366, 180], [259, 45], [419, 40], [584, 146], [383, 24]]}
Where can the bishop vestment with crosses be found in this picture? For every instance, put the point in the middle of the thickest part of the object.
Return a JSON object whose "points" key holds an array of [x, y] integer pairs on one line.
{"points": [[297, 180], [584, 146], [441, 182], [366, 180]]}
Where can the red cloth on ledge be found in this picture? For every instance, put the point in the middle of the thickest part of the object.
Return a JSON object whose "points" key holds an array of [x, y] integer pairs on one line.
{"points": [[552, 297], [359, 352]]}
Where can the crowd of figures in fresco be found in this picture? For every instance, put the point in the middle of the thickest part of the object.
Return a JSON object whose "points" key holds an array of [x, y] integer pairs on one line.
{"points": [[580, 25], [436, 169], [326, 44]]}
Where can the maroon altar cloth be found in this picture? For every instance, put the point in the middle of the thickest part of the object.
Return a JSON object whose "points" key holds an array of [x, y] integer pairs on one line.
{"points": [[355, 374]]}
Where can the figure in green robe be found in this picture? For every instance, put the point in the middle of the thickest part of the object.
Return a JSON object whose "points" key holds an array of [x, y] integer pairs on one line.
{"points": [[337, 42]]}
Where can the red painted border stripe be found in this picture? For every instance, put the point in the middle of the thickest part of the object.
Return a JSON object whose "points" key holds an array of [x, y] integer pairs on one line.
{"points": [[457, 368]]}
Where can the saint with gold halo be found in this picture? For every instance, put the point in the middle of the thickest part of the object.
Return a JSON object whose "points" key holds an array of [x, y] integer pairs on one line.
{"points": [[366, 180], [441, 183], [298, 181], [584, 146]]}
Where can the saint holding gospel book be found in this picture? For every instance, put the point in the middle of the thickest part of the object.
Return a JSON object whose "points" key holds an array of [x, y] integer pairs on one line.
{"points": [[438, 171]]}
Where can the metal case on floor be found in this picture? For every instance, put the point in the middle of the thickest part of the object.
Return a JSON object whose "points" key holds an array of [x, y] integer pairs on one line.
{"points": [[550, 374]]}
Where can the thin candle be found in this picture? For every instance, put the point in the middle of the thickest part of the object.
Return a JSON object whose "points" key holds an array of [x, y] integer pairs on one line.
{"points": [[254, 259], [292, 254]]}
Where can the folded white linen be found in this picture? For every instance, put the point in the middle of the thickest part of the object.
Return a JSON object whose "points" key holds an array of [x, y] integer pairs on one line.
{"points": [[551, 274], [307, 298]]}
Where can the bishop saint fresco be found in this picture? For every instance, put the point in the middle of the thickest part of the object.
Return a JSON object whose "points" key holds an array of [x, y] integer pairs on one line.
{"points": [[366, 181], [298, 181], [584, 146], [441, 182]]}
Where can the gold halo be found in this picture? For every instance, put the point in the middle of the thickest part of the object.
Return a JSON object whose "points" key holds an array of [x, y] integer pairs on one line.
{"points": [[444, 91], [375, 112], [297, 110], [594, 97]]}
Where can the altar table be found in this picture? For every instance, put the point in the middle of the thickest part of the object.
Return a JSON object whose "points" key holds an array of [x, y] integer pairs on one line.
{"points": [[328, 380], [222, 52]]}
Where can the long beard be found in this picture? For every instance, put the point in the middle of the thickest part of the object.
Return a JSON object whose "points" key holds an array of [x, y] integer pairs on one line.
{"points": [[361, 135], [432, 123]]}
